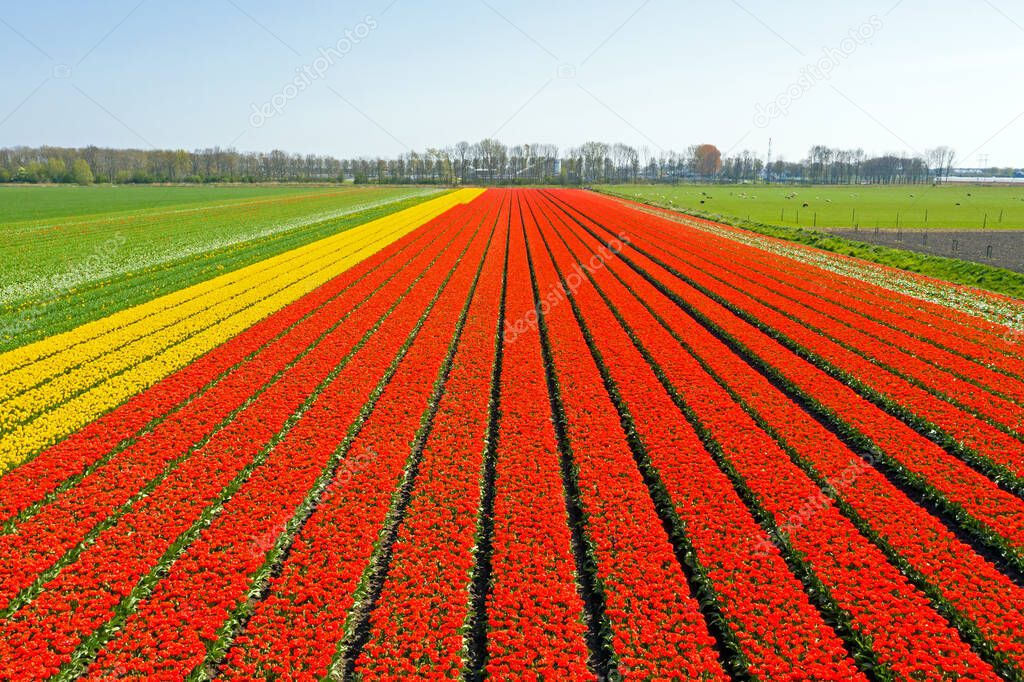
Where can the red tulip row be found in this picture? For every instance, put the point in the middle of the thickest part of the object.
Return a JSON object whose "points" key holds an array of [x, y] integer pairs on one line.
{"points": [[873, 362], [128, 556], [882, 310], [416, 628], [993, 514], [655, 621], [65, 463], [949, 570], [329, 573], [906, 634], [987, 337], [534, 613], [60, 525], [751, 583]]}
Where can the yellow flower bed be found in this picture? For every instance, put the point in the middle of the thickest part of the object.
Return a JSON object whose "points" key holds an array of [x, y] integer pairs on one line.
{"points": [[55, 386]]}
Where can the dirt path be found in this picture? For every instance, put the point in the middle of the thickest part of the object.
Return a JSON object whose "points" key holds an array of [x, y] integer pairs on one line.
{"points": [[1003, 249]]}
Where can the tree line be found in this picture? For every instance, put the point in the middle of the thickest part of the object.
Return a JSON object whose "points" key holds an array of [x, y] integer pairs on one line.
{"points": [[488, 162]]}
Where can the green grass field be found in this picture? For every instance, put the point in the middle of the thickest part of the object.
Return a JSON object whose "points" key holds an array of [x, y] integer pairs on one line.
{"points": [[918, 206], [78, 254], [19, 203]]}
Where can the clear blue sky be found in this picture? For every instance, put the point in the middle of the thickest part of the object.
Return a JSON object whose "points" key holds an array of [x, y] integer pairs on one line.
{"points": [[661, 73]]}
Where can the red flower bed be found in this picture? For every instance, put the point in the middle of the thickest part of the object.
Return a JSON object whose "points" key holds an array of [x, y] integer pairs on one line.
{"points": [[798, 318], [750, 580], [33, 480], [417, 625], [948, 477], [963, 580], [38, 542], [80, 598], [655, 621], [989, 335], [899, 315], [534, 612], [876, 597], [310, 604], [545, 436]]}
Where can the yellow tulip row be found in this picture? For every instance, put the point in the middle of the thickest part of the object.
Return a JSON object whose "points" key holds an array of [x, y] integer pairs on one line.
{"points": [[134, 320], [64, 374], [59, 401], [67, 383], [150, 329]]}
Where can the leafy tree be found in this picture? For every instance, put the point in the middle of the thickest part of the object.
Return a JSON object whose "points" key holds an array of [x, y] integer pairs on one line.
{"points": [[57, 169], [707, 160], [33, 171], [81, 172]]}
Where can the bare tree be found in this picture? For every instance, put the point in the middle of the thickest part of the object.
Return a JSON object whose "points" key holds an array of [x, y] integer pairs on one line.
{"points": [[940, 161]]}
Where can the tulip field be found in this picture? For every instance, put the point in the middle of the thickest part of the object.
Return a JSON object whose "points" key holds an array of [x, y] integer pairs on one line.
{"points": [[526, 434]]}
